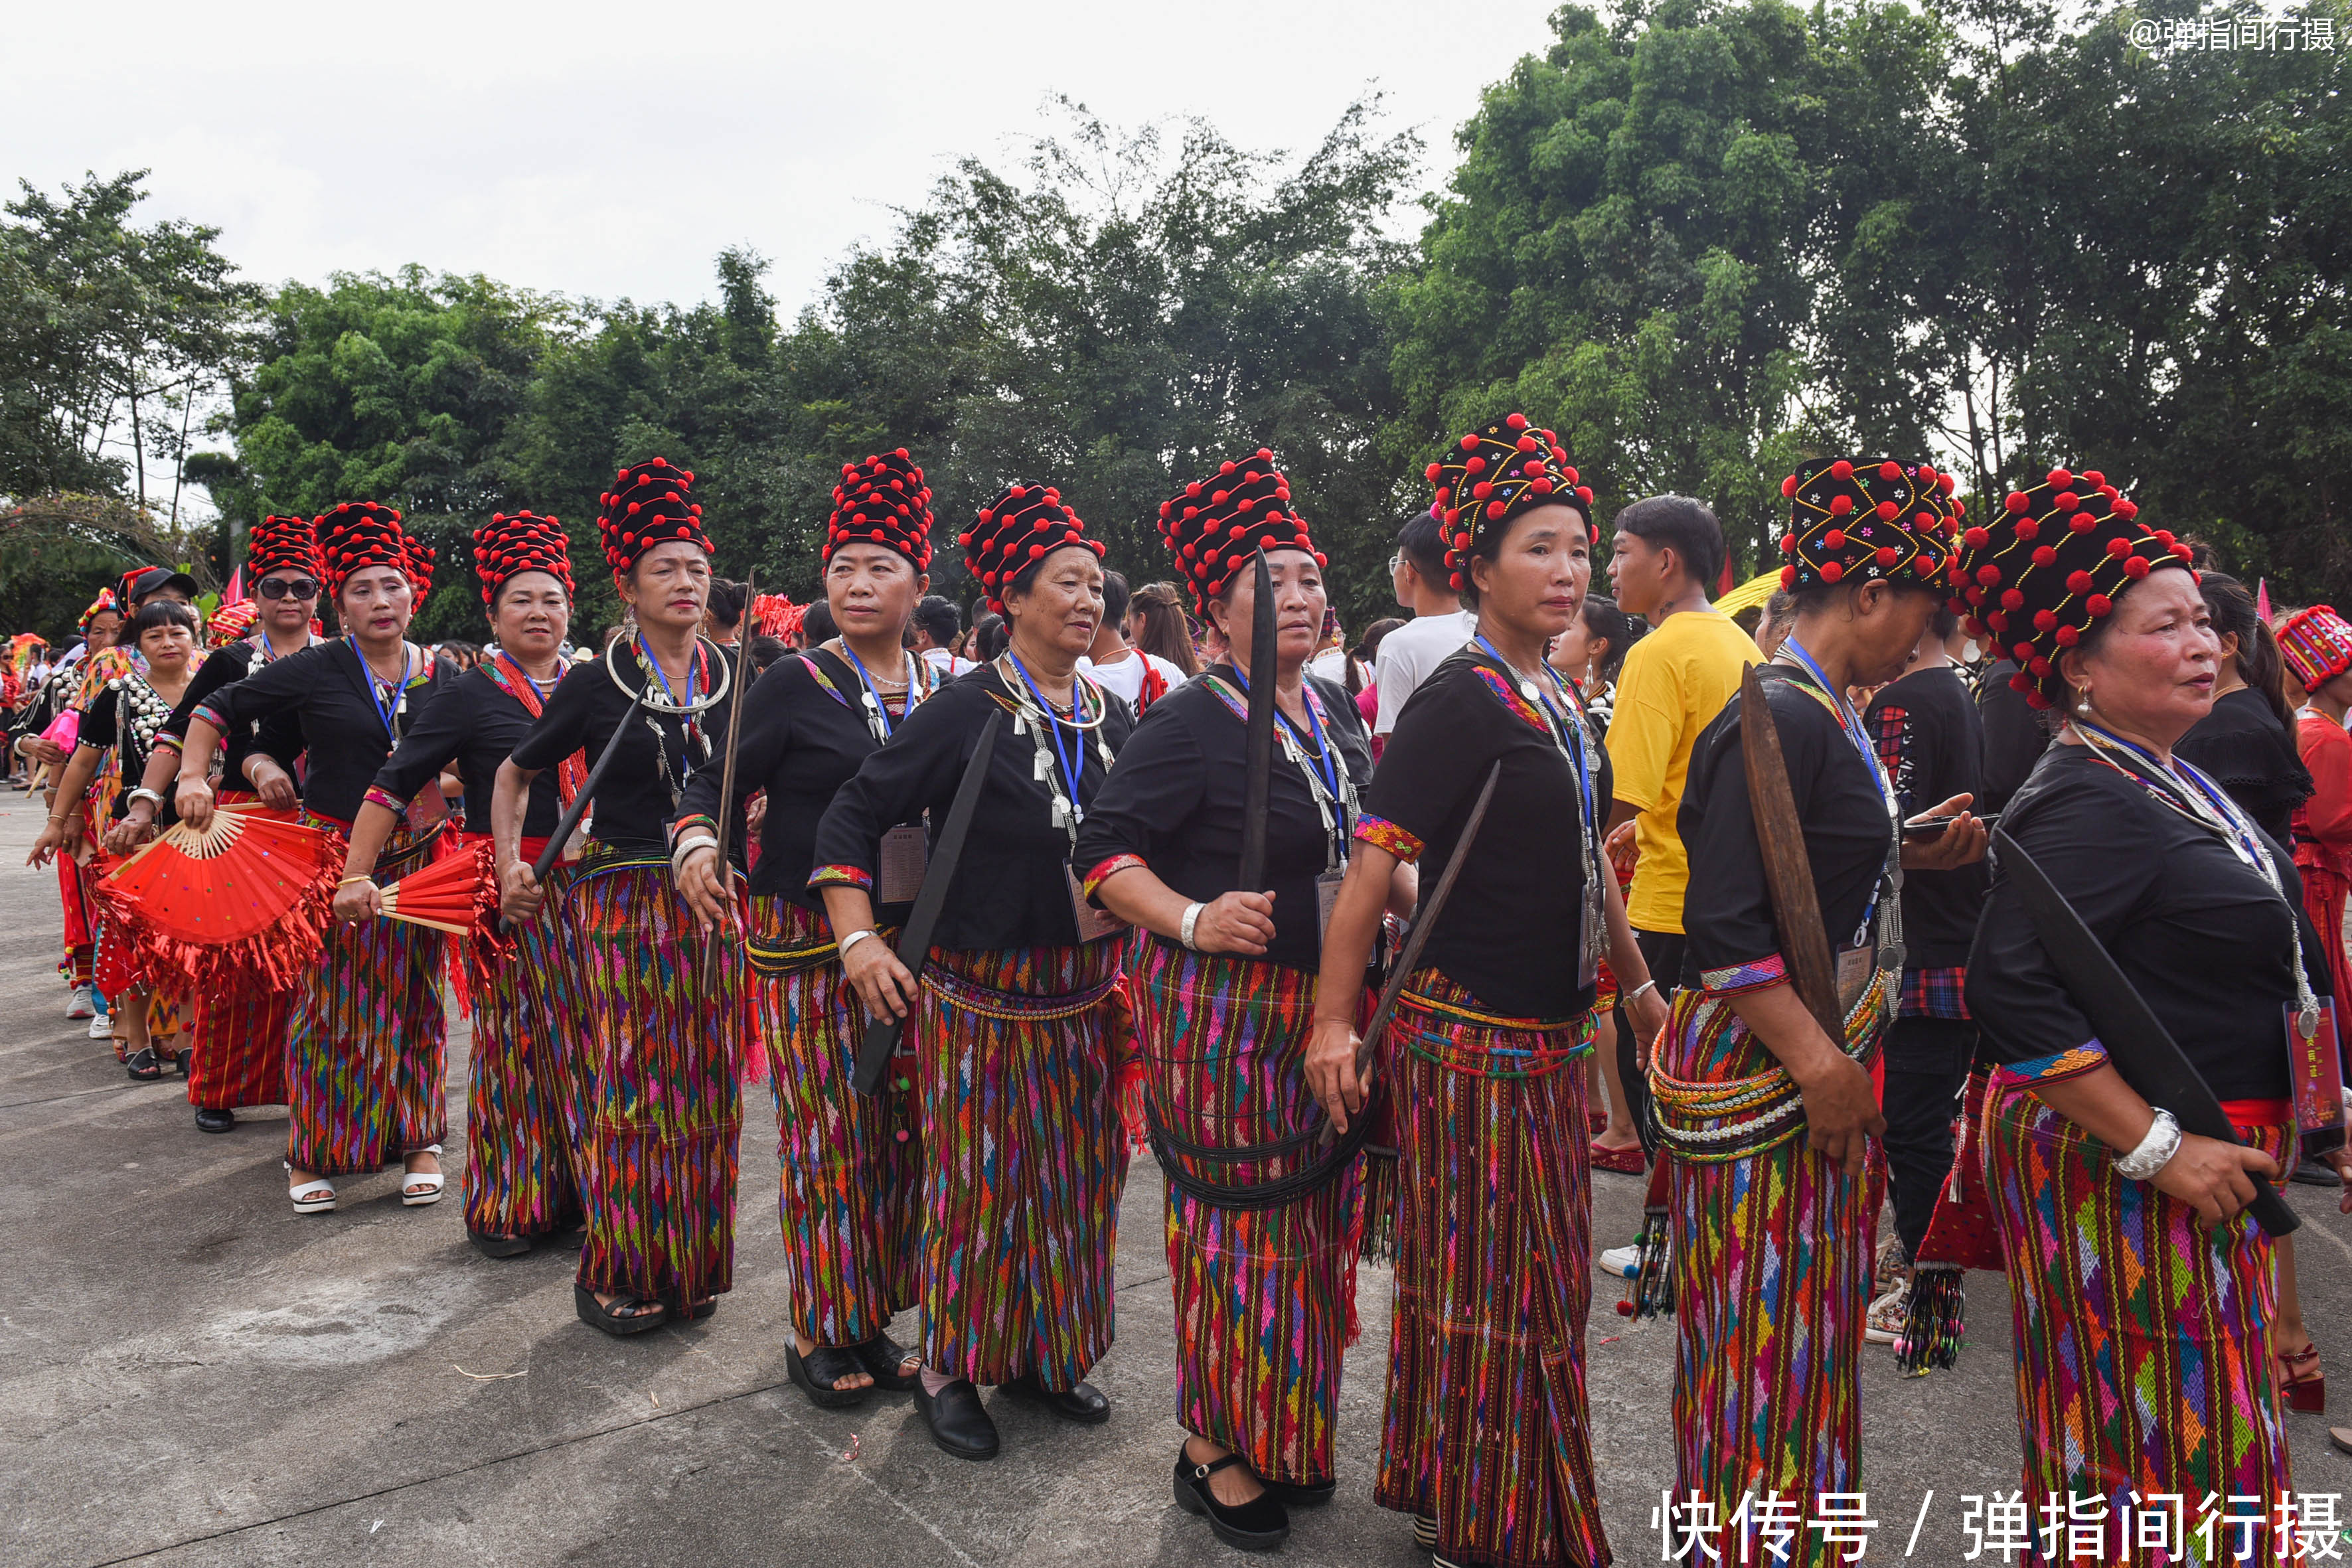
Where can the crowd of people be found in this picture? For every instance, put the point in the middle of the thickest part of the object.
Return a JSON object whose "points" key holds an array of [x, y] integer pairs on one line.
{"points": [[990, 908]]}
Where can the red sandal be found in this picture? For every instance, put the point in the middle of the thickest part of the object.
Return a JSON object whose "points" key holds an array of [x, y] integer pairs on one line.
{"points": [[1628, 1161], [2306, 1391]]}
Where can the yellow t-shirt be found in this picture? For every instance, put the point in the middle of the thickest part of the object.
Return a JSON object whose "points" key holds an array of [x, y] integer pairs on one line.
{"points": [[1675, 682]]}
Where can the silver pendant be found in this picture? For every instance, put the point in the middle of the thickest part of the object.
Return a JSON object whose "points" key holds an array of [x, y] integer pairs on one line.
{"points": [[1020, 724], [1061, 812], [1040, 767], [1527, 690]]}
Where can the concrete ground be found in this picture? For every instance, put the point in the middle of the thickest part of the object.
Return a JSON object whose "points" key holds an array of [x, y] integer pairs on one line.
{"points": [[198, 1375]]}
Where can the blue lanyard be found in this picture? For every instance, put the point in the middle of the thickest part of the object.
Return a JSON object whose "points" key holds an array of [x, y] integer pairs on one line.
{"points": [[693, 661], [1075, 757], [1559, 724], [386, 711], [875, 696], [1326, 765], [2241, 827], [1851, 722]]}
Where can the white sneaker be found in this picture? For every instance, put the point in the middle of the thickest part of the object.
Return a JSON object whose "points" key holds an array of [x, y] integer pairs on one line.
{"points": [[83, 1004], [1619, 1262], [1884, 1326], [102, 1028]]}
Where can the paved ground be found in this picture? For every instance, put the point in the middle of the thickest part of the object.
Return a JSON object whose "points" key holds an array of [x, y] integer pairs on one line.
{"points": [[198, 1375]]}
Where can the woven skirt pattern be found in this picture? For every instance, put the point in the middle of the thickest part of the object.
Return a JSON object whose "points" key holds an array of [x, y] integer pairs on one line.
{"points": [[851, 1164], [658, 1166], [527, 1091], [1023, 1161], [1771, 1273], [2143, 1338], [368, 1049], [1264, 1298], [1486, 1422]]}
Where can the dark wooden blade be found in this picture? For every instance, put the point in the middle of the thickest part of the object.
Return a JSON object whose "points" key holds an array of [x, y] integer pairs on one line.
{"points": [[1788, 870], [569, 821], [881, 1042], [1258, 783], [727, 783], [2138, 1043], [1424, 920]]}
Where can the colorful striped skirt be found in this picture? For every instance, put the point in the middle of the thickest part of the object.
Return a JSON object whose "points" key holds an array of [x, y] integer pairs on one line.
{"points": [[368, 1049], [1265, 1297], [1486, 1422], [239, 1035], [1771, 1270], [658, 1167], [1022, 1160], [851, 1164], [2143, 1337], [527, 1087]]}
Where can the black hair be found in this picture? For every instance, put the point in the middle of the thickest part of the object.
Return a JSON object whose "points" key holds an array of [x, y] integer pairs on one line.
{"points": [[1115, 597], [1612, 625], [726, 601], [989, 636], [939, 618], [2259, 665], [1683, 525], [1780, 608], [163, 612], [765, 651], [1946, 621], [1368, 648], [1422, 541], [817, 625]]}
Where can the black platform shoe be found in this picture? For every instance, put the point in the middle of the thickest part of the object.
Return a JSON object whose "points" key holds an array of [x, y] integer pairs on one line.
{"points": [[210, 1120], [143, 1065], [490, 1245], [1260, 1524], [820, 1372], [1084, 1403], [1290, 1494], [958, 1422], [884, 1360], [629, 1315]]}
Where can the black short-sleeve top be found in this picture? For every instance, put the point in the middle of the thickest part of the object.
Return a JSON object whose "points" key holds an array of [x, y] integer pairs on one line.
{"points": [[224, 666], [325, 705], [104, 724], [661, 747], [1931, 742], [476, 722], [2196, 930], [1174, 802], [1511, 931], [2242, 746], [1013, 886]]}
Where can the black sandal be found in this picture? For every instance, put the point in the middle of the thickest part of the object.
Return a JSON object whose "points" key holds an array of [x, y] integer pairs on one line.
{"points": [[1260, 1524], [490, 1245], [182, 1058], [142, 1065], [629, 1315], [820, 1372], [884, 1360], [695, 1312]]}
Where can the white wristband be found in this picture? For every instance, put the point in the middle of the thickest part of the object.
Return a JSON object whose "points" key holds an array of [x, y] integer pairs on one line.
{"points": [[853, 939], [1191, 921], [2155, 1151]]}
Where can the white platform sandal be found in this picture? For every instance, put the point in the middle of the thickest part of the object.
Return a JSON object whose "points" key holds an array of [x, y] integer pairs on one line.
{"points": [[314, 1196], [432, 1193]]}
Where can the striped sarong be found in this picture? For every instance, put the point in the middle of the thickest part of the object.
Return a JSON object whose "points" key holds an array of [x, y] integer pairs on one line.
{"points": [[658, 1167], [528, 1083], [365, 1056], [1487, 1426], [2143, 1338], [239, 1034], [851, 1164], [1022, 1160], [1264, 1298]]}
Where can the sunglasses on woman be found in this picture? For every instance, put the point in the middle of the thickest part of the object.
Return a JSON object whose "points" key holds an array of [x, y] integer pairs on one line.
{"points": [[288, 587]]}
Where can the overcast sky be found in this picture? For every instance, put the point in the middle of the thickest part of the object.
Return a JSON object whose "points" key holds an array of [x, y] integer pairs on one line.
{"points": [[611, 151]]}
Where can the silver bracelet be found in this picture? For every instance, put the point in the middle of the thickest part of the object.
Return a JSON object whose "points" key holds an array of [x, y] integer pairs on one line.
{"points": [[1191, 921], [686, 847], [143, 793], [1635, 995], [851, 939], [2155, 1151]]}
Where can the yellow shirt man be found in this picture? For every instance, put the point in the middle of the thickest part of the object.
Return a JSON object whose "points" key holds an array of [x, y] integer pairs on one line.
{"points": [[1675, 682]]}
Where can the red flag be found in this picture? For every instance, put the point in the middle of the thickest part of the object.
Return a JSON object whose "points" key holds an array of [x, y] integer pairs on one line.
{"points": [[2262, 599], [235, 593], [1724, 586]]}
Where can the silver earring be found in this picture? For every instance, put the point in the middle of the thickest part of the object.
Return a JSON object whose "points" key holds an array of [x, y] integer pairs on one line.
{"points": [[2082, 704]]}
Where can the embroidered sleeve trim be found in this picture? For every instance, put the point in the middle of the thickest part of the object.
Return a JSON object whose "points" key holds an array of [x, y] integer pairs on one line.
{"points": [[1736, 979], [678, 830], [1102, 873], [2088, 1056], [386, 799], [842, 877], [213, 716], [1382, 834]]}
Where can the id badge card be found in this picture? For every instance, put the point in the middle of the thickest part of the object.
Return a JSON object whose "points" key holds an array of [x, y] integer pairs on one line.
{"points": [[1326, 899], [1093, 924], [1856, 966], [906, 855], [2317, 1071]]}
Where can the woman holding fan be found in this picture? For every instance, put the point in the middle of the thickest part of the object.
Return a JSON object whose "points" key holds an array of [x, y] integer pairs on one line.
{"points": [[851, 1163], [1023, 1156], [1224, 987], [526, 1100], [656, 1167], [365, 1056], [1486, 1441]]}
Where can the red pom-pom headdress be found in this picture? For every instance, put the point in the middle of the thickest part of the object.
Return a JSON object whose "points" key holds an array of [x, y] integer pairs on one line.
{"points": [[882, 500], [1490, 476], [2035, 576], [1855, 521], [515, 541], [1020, 526], [650, 504], [1218, 523], [2316, 644], [283, 544], [357, 534], [231, 622]]}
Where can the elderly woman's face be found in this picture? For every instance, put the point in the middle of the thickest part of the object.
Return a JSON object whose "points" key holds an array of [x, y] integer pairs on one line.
{"points": [[2153, 672]]}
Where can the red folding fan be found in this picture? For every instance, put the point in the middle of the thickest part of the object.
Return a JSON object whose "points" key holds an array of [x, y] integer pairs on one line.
{"points": [[238, 879], [450, 895]]}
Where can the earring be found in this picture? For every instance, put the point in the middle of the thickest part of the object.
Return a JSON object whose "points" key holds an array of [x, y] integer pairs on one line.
{"points": [[2082, 704]]}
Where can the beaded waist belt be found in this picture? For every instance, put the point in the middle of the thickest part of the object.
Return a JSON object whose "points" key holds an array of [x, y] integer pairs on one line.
{"points": [[1451, 1039], [1708, 1123], [795, 953], [1012, 1007]]}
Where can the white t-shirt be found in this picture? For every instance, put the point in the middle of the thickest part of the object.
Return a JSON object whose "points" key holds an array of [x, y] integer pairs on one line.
{"points": [[947, 663], [1331, 664], [1126, 676], [1409, 653]]}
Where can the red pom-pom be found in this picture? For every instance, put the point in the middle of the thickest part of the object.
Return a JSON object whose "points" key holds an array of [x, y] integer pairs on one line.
{"points": [[2098, 604], [1888, 509], [1886, 555], [2067, 636], [1834, 539], [2020, 681], [1584, 494], [2136, 567], [2082, 522], [2016, 502], [2044, 556], [2066, 501], [1456, 579], [1475, 466], [1842, 470], [1831, 570], [1840, 505], [1469, 444], [1789, 486], [1975, 539], [1988, 574], [2078, 582], [1787, 576], [2126, 510], [1494, 509], [1890, 471], [2119, 547], [2060, 478], [1431, 474], [2183, 553], [1788, 544], [1517, 421], [2012, 599], [2027, 529], [2093, 477], [2044, 619]]}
